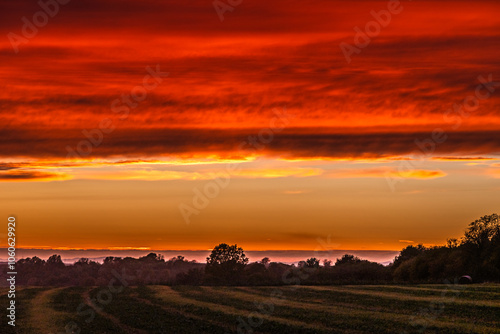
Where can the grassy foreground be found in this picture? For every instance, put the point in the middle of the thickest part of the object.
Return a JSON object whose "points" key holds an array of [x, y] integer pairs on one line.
{"points": [[300, 309]]}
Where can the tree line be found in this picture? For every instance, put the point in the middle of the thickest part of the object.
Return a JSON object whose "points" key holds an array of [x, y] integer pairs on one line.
{"points": [[475, 255]]}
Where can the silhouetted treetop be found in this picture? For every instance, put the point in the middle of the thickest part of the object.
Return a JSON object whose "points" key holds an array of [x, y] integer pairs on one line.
{"points": [[55, 261], [408, 253], [226, 265], [152, 257], [224, 253], [312, 263], [482, 230], [347, 259]]}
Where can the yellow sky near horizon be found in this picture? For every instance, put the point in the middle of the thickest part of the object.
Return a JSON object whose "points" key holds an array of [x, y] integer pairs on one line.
{"points": [[360, 211]]}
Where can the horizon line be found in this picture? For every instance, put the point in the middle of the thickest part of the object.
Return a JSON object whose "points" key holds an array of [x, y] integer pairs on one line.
{"points": [[197, 250]]}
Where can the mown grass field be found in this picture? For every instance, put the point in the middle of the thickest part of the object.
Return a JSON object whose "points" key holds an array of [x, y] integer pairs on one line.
{"points": [[302, 309]]}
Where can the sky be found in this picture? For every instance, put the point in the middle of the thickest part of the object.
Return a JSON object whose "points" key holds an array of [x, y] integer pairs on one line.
{"points": [[283, 126]]}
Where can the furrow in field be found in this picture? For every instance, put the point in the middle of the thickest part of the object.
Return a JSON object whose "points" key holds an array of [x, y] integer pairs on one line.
{"points": [[173, 297], [382, 315], [134, 312], [124, 328], [343, 321], [452, 297], [487, 287], [462, 291], [146, 297]]}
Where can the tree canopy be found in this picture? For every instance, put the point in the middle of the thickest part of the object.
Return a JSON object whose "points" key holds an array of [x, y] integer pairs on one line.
{"points": [[224, 254], [226, 264], [483, 230]]}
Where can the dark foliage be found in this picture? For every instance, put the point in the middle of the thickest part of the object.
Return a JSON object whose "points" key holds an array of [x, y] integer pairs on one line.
{"points": [[476, 255], [226, 265]]}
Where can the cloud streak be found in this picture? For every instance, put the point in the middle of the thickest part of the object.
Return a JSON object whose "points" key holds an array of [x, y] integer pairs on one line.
{"points": [[32, 176], [196, 143]]}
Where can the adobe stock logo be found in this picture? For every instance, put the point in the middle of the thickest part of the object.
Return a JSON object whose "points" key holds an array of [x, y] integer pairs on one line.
{"points": [[372, 29], [49, 8], [222, 7]]}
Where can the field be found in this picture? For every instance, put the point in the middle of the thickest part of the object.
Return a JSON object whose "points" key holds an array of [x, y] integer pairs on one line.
{"points": [[302, 309]]}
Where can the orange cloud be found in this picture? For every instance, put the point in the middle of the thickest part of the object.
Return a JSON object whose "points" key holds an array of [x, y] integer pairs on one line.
{"points": [[387, 172], [32, 176], [468, 159], [158, 175], [417, 174], [293, 192], [284, 172]]}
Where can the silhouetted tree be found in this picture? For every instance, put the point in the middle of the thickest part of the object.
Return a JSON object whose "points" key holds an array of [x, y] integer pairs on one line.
{"points": [[481, 244], [33, 262], [477, 255], [226, 264], [54, 261], [153, 257], [85, 262], [112, 259], [178, 258], [312, 263], [452, 243], [482, 231], [408, 253], [347, 259]]}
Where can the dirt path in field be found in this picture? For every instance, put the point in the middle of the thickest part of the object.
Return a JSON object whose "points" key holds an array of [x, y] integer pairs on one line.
{"points": [[125, 328], [41, 317]]}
